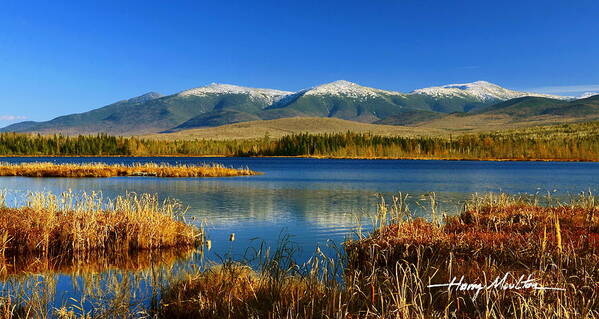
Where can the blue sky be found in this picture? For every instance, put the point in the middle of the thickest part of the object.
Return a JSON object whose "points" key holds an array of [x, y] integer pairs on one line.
{"points": [[59, 57]]}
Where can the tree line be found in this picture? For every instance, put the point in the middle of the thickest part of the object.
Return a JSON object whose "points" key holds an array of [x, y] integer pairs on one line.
{"points": [[504, 145]]}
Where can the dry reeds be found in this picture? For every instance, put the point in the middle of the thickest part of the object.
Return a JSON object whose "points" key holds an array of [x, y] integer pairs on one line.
{"points": [[387, 274], [495, 234], [107, 170], [237, 291], [50, 225]]}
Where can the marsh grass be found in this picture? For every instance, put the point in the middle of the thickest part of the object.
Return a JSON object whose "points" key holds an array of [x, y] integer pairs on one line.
{"points": [[494, 235], [107, 170], [69, 225], [386, 274]]}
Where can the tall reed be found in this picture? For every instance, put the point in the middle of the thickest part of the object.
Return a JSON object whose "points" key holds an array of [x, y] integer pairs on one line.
{"points": [[51, 225], [387, 274]]}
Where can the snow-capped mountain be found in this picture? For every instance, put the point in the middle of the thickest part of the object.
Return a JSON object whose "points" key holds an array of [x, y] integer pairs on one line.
{"points": [[219, 104], [268, 95], [348, 89], [480, 90], [588, 94]]}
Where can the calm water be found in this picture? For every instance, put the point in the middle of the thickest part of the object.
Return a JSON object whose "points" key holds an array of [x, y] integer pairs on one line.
{"points": [[310, 199]]}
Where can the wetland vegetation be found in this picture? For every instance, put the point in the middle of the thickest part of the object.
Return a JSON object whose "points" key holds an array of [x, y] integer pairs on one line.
{"points": [[385, 270], [107, 170], [69, 225]]}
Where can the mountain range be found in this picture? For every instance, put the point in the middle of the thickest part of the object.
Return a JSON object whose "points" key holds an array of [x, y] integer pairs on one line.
{"points": [[222, 104]]}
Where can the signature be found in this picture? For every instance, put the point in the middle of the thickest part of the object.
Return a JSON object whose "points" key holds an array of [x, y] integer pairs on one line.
{"points": [[500, 283]]}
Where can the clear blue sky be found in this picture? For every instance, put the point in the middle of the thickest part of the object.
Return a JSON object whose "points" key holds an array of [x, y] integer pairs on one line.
{"points": [[58, 58]]}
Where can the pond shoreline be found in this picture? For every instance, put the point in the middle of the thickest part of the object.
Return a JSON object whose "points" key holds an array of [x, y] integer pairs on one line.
{"points": [[319, 157]]}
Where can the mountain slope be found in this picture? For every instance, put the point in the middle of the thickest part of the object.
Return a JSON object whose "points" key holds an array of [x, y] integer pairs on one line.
{"points": [[409, 117], [150, 113], [342, 99], [221, 104], [479, 90], [522, 106], [98, 120], [477, 93], [530, 106], [519, 112], [584, 108], [286, 126]]}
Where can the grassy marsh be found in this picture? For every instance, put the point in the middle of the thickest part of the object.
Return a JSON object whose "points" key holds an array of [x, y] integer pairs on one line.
{"points": [[386, 273], [108, 170]]}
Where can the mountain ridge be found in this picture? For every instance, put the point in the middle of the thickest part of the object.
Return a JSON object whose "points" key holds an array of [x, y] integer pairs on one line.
{"points": [[219, 104]]}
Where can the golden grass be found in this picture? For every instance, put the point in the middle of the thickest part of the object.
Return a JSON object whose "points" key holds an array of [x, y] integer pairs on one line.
{"points": [[496, 234], [106, 170], [388, 272], [52, 225], [236, 291]]}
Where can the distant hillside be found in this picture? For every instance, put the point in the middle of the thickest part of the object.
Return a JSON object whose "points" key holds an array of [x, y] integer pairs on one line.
{"points": [[518, 113], [282, 127], [221, 104], [135, 116], [411, 117], [522, 107]]}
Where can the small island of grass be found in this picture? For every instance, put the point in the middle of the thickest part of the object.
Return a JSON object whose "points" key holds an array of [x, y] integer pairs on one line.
{"points": [[77, 225], [108, 170]]}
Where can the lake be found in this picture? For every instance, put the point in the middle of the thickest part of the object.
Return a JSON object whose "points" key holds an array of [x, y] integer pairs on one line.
{"points": [[311, 200]]}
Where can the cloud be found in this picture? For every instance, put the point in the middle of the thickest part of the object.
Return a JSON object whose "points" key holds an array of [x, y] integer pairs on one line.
{"points": [[12, 117], [567, 88]]}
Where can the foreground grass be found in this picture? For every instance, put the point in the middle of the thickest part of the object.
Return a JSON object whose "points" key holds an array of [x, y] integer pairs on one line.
{"points": [[69, 225], [387, 273], [107, 170]]}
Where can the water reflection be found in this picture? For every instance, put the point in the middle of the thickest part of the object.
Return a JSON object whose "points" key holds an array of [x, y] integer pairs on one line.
{"points": [[112, 284], [93, 263], [316, 200], [312, 200]]}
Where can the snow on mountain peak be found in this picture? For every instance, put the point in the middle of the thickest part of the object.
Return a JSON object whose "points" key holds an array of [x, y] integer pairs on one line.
{"points": [[269, 95], [346, 88], [479, 90], [588, 94]]}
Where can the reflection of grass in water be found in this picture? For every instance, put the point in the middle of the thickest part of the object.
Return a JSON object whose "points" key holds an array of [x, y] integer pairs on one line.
{"points": [[102, 286], [83, 236], [108, 170], [386, 273], [92, 263]]}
